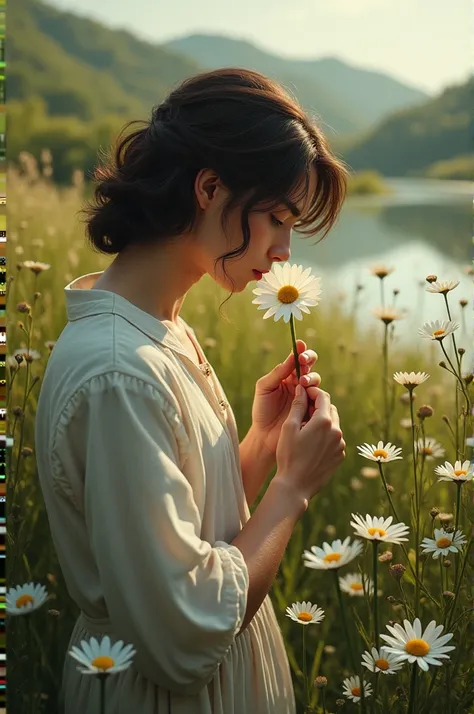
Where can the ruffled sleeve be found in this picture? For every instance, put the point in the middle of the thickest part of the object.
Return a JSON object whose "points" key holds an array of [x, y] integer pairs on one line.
{"points": [[178, 599]]}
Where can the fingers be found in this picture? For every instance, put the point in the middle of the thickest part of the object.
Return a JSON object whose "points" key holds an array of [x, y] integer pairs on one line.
{"points": [[311, 380]]}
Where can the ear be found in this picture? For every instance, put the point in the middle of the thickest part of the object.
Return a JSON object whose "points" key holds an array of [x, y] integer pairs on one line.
{"points": [[205, 186]]}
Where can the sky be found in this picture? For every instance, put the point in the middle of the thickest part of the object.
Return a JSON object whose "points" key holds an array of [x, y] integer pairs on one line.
{"points": [[426, 44]]}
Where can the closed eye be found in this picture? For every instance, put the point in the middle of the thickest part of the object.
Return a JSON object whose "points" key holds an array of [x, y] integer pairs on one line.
{"points": [[275, 221]]}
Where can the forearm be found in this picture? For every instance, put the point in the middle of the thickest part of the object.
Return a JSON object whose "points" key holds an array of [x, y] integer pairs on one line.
{"points": [[256, 464], [263, 540]]}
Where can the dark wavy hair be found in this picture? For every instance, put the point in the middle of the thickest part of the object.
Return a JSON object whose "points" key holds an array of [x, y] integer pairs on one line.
{"points": [[240, 124]]}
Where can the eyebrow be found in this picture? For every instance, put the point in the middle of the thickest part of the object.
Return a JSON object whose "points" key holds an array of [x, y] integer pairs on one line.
{"points": [[292, 207]]}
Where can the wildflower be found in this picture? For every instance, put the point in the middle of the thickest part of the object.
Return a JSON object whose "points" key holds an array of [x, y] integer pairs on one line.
{"points": [[430, 279], [442, 286], [397, 570], [382, 452], [353, 585], [460, 472], [288, 290], [305, 613], [387, 314], [28, 354], [445, 517], [381, 661], [320, 682], [379, 528], [332, 556], [438, 330], [352, 690], [410, 380], [103, 658], [405, 423], [410, 644], [386, 557], [430, 448], [35, 266], [23, 599], [434, 512], [425, 411], [443, 543], [380, 270]]}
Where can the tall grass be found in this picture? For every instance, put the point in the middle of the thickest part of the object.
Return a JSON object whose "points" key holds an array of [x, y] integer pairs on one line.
{"points": [[43, 226]]}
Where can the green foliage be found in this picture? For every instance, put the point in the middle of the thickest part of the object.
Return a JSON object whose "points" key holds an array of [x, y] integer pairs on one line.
{"points": [[413, 139], [460, 168], [366, 183]]}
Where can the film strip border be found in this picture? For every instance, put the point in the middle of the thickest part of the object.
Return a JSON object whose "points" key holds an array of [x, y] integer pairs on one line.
{"points": [[5, 441]]}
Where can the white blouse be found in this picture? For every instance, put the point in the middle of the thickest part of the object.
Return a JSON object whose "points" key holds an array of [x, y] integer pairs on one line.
{"points": [[138, 459]]}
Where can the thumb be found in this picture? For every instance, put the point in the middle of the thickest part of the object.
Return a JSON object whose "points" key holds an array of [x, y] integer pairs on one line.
{"points": [[299, 403]]}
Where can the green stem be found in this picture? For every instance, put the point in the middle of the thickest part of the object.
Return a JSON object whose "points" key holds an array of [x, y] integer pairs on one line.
{"points": [[323, 696], [295, 351], [102, 680], [458, 505], [375, 598], [344, 620], [411, 702], [458, 584], [305, 669], [426, 592]]}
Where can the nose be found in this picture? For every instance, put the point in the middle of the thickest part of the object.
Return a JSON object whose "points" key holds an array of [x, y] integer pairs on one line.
{"points": [[281, 252]]}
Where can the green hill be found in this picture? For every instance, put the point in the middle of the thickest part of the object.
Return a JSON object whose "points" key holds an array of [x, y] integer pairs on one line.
{"points": [[412, 141], [81, 68]]}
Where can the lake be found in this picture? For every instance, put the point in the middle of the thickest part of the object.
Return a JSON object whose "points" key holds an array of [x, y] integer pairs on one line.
{"points": [[423, 227]]}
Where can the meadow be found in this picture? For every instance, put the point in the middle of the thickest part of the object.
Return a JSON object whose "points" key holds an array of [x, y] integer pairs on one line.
{"points": [[356, 368]]}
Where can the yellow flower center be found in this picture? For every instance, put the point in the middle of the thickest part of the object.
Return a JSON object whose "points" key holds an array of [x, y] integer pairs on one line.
{"points": [[460, 472], [373, 531], [438, 333], [427, 450], [332, 557], [381, 452], [417, 648], [382, 664], [357, 586], [103, 662], [355, 691], [288, 294], [443, 542], [305, 616], [23, 600]]}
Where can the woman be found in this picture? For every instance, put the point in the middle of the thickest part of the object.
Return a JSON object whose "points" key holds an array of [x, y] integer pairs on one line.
{"points": [[146, 485]]}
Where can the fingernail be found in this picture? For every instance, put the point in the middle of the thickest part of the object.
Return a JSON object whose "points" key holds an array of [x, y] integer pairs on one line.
{"points": [[305, 380]]}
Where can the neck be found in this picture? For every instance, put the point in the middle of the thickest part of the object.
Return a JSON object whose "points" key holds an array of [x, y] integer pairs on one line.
{"points": [[155, 281]]}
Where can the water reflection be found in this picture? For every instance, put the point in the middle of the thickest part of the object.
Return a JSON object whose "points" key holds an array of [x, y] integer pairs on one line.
{"points": [[423, 228]]}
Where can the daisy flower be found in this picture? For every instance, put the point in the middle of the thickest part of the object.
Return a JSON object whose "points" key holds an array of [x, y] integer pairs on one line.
{"points": [[305, 613], [387, 314], [443, 543], [352, 691], [438, 330], [430, 448], [353, 585], [410, 380], [442, 286], [332, 556], [459, 472], [288, 290], [102, 658], [383, 661], [23, 599], [381, 452], [375, 528], [410, 644], [381, 270], [35, 266]]}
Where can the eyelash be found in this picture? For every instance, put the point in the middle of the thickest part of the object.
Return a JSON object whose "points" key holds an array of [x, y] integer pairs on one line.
{"points": [[275, 221]]}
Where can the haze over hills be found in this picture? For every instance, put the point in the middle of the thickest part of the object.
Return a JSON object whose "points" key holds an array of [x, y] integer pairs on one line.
{"points": [[324, 83], [72, 83]]}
